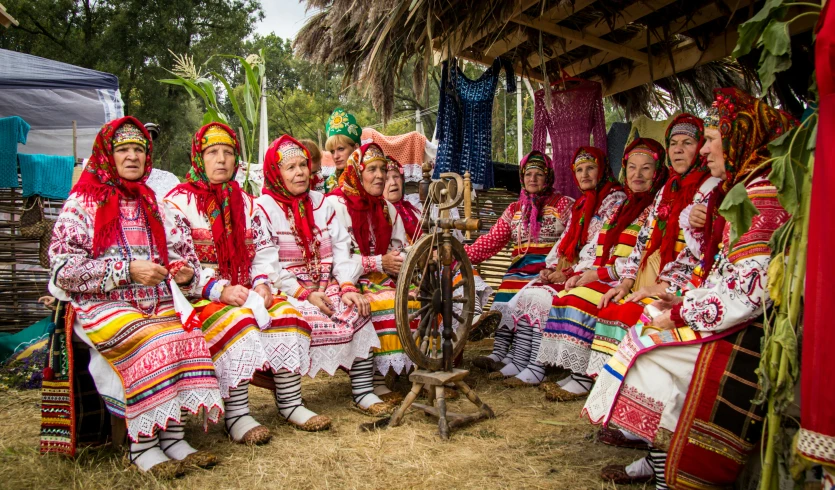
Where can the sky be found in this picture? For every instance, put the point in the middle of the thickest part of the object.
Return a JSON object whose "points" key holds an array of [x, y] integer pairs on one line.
{"points": [[284, 17]]}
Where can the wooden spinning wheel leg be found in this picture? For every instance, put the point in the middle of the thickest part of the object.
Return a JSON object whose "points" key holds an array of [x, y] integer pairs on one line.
{"points": [[440, 404], [470, 394], [397, 418]]}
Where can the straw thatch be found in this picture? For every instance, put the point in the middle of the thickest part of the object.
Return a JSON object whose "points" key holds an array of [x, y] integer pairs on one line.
{"points": [[640, 50]]}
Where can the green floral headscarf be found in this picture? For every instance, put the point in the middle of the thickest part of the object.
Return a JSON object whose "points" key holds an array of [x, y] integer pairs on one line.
{"points": [[341, 122]]}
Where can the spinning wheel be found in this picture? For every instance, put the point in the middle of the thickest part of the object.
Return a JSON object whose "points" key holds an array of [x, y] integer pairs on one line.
{"points": [[438, 274]]}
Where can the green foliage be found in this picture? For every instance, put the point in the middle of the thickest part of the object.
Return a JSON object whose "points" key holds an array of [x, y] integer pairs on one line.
{"points": [[738, 209]]}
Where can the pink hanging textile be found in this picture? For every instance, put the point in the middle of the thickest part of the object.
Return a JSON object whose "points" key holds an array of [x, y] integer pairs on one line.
{"points": [[408, 149], [576, 113]]}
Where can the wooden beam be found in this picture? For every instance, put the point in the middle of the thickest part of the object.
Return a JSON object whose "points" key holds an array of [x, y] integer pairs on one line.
{"points": [[507, 43], [628, 15], [681, 24], [463, 37], [719, 47], [5, 19], [595, 42]]}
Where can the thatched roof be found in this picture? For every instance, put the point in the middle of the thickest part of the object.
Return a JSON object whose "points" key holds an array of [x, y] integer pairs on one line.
{"points": [[639, 50]]}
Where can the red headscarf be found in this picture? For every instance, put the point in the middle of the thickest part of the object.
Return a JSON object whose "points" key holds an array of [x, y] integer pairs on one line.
{"points": [[587, 205], [367, 212], [409, 214], [101, 185], [298, 209], [636, 202], [222, 204], [678, 192], [747, 125], [531, 204]]}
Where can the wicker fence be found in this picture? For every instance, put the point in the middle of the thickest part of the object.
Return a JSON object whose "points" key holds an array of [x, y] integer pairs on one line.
{"points": [[22, 279]]}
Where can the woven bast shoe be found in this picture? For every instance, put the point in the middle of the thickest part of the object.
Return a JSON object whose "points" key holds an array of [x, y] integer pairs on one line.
{"points": [[392, 397], [167, 470], [616, 438], [255, 436], [560, 395], [376, 410], [616, 473], [317, 423], [201, 459], [515, 382]]}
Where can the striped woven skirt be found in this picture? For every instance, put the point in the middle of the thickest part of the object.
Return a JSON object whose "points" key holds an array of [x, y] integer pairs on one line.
{"points": [[337, 340], [147, 369], [522, 270], [613, 322], [379, 289], [239, 347], [569, 332]]}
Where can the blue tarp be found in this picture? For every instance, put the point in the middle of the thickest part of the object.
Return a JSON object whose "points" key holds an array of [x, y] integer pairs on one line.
{"points": [[26, 71]]}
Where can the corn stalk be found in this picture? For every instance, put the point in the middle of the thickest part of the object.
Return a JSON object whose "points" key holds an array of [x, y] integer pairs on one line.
{"points": [[197, 83]]}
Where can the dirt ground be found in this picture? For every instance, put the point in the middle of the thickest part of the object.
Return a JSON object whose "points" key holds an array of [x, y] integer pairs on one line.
{"points": [[532, 443]]}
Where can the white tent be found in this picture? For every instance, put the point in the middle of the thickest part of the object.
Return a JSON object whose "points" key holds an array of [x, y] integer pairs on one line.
{"points": [[49, 95]]}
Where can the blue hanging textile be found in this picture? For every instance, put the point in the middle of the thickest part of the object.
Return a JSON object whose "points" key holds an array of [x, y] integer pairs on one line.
{"points": [[465, 117], [48, 176], [13, 130], [616, 141]]}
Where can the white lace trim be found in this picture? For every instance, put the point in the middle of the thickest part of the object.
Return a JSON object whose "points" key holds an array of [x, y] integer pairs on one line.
{"points": [[399, 362], [558, 351], [192, 400], [599, 403], [507, 319], [533, 307], [596, 362], [329, 358], [258, 350]]}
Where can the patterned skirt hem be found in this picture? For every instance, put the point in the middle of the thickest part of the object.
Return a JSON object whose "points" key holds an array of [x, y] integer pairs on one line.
{"points": [[330, 357], [560, 352], [816, 447], [398, 362], [192, 400]]}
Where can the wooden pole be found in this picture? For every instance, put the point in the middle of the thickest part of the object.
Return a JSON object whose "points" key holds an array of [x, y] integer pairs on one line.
{"points": [[468, 198], [74, 142], [519, 139]]}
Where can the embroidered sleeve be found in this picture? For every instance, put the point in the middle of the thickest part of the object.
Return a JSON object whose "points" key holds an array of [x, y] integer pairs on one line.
{"points": [[493, 241], [680, 271], [181, 246], [589, 251], [345, 270], [735, 291], [633, 262], [265, 267], [282, 279], [73, 268], [372, 263]]}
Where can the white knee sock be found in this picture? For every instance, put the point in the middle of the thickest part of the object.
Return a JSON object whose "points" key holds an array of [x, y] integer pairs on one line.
{"points": [[146, 453], [171, 439], [288, 397], [238, 420], [362, 385], [534, 372], [379, 383], [639, 468], [578, 384], [501, 344], [658, 459]]}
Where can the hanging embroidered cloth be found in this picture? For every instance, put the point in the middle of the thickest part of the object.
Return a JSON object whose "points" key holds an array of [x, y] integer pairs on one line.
{"points": [[465, 118], [576, 113]]}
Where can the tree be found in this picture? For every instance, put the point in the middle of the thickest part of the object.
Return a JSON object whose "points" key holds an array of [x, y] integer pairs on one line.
{"points": [[131, 39]]}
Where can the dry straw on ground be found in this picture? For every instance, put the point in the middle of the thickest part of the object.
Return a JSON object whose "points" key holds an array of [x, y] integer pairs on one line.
{"points": [[532, 443]]}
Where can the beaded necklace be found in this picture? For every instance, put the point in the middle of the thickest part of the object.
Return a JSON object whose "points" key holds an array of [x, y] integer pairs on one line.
{"points": [[126, 252]]}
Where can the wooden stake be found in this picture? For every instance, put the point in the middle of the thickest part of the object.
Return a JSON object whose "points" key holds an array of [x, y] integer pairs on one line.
{"points": [[468, 200], [243, 145]]}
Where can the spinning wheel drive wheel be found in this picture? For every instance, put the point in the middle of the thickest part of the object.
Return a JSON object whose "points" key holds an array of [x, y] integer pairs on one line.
{"points": [[421, 279]]}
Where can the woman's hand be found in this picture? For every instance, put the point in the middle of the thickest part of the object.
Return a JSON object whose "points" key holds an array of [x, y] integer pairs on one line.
{"points": [[147, 273], [184, 275], [543, 275], [320, 300], [663, 322], [698, 216], [264, 291], [586, 278], [392, 262], [357, 299], [648, 292], [234, 295], [666, 301], [571, 283], [615, 294], [556, 277]]}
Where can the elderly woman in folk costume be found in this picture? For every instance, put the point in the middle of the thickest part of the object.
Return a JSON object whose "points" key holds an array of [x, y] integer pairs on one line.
{"points": [[572, 228], [314, 250], [411, 215], [317, 182], [377, 241], [344, 138], [662, 260], [570, 325], [110, 260], [239, 272], [686, 371]]}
